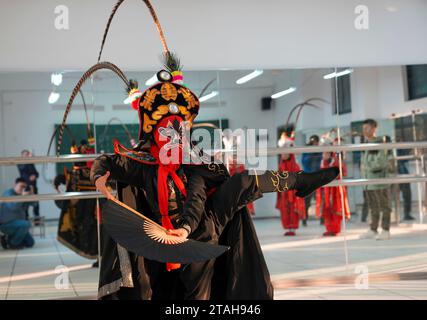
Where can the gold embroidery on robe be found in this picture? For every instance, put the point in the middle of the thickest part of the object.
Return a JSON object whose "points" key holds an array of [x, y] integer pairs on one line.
{"points": [[67, 220], [277, 177]]}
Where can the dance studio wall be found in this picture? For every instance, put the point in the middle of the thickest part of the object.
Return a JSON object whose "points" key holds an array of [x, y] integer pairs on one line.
{"points": [[215, 34]]}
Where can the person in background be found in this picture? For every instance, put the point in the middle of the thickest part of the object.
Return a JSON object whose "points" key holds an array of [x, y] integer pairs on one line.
{"points": [[375, 165], [290, 206], [332, 201], [310, 163], [405, 188], [29, 173], [13, 222], [365, 208]]}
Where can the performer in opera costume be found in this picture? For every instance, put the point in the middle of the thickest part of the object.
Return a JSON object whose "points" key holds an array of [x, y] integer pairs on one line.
{"points": [[291, 207], [77, 227], [332, 201], [167, 206]]}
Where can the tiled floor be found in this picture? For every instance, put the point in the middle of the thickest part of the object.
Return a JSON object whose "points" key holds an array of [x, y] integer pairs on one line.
{"points": [[307, 266], [31, 274]]}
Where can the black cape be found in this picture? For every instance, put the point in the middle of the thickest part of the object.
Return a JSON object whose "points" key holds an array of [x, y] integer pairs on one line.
{"points": [[77, 228]]}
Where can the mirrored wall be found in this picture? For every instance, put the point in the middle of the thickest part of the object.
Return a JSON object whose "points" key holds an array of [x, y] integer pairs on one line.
{"points": [[314, 107]]}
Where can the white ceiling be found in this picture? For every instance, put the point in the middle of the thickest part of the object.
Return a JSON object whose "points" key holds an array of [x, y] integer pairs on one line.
{"points": [[211, 35]]}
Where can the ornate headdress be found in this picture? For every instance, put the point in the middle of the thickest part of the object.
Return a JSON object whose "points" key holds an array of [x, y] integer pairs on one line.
{"points": [[168, 97]]}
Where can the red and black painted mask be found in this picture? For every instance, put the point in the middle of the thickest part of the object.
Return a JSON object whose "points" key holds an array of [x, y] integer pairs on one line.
{"points": [[171, 138]]}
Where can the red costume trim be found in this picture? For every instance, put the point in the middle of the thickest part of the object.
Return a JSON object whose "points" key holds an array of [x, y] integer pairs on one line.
{"points": [[291, 207], [164, 171], [328, 200]]}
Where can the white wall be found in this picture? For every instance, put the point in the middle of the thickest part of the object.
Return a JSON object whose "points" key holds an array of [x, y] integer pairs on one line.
{"points": [[239, 34], [376, 92]]}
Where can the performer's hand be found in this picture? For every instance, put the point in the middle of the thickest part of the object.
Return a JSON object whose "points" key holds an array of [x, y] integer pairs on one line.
{"points": [[101, 185], [180, 232]]}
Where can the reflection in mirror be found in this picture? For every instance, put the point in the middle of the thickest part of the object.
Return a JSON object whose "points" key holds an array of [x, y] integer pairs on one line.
{"points": [[316, 236]]}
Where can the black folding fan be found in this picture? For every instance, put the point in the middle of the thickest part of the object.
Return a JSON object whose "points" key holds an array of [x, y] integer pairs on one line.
{"points": [[140, 235]]}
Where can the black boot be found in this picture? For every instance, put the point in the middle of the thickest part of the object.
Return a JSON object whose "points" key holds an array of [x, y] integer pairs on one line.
{"points": [[307, 183], [303, 183], [277, 181]]}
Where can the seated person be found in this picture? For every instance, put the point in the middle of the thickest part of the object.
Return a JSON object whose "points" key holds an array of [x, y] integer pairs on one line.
{"points": [[13, 223]]}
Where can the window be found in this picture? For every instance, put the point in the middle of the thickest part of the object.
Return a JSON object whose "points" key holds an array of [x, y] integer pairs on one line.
{"points": [[343, 96], [416, 77]]}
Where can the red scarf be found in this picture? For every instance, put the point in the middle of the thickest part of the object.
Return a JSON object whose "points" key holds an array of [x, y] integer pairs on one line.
{"points": [[163, 173]]}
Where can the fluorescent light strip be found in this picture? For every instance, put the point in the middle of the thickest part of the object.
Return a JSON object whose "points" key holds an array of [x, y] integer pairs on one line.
{"points": [[249, 76], [284, 92], [53, 97], [337, 74], [208, 96], [56, 78], [152, 80]]}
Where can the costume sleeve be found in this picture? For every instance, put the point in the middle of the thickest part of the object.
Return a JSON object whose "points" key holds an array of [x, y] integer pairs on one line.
{"points": [[201, 179], [121, 169], [213, 174], [194, 203]]}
